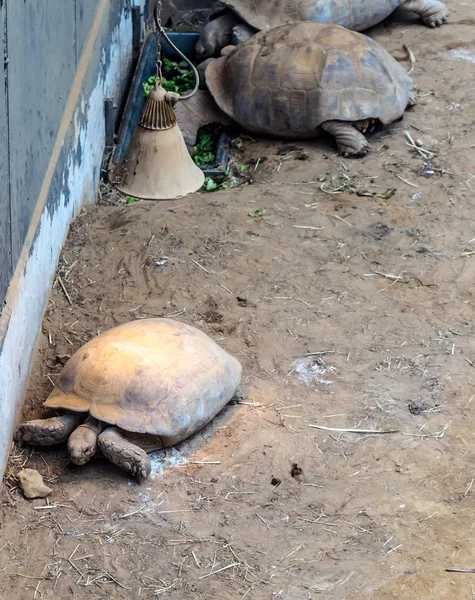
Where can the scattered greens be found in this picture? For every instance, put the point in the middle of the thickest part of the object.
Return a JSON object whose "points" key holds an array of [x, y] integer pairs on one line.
{"points": [[131, 200], [260, 212], [220, 182], [177, 77], [205, 148], [232, 177], [388, 194]]}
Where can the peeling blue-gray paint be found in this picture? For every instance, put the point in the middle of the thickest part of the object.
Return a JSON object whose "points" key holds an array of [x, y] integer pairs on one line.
{"points": [[4, 322], [79, 153], [40, 74], [72, 151], [5, 215]]}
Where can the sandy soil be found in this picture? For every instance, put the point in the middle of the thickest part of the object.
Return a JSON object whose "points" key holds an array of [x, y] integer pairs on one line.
{"points": [[349, 308]]}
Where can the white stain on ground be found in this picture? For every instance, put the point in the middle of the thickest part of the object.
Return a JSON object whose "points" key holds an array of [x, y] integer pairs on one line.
{"points": [[165, 459], [160, 461], [460, 54], [312, 372]]}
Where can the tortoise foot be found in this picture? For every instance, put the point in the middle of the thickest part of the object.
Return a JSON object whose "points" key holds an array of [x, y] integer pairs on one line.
{"points": [[433, 13], [436, 19], [350, 141], [122, 453], [47, 432], [353, 153]]}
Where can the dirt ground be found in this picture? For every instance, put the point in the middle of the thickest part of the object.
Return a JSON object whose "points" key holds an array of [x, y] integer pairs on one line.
{"points": [[349, 308]]}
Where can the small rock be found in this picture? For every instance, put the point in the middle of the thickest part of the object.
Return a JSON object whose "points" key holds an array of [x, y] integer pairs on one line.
{"points": [[32, 485]]}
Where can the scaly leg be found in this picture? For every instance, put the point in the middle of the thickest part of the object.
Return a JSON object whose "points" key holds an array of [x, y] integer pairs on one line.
{"points": [[48, 432], [349, 140], [432, 12], [122, 453]]}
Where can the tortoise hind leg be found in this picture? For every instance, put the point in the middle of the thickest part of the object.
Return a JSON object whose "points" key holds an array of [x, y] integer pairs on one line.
{"points": [[124, 454], [349, 140], [48, 432], [432, 12]]}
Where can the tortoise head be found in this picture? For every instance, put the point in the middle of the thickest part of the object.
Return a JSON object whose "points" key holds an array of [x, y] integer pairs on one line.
{"points": [[215, 35], [208, 43], [82, 444]]}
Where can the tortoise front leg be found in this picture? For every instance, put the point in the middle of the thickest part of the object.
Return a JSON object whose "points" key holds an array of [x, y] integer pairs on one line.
{"points": [[349, 140], [122, 453], [48, 432], [432, 12]]}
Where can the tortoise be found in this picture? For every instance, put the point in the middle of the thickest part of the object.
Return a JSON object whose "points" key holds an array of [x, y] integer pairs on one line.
{"points": [[240, 19], [138, 387], [295, 81]]}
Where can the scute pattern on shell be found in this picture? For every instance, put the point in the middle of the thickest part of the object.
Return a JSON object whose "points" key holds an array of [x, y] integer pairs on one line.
{"points": [[293, 78], [354, 14], [154, 376]]}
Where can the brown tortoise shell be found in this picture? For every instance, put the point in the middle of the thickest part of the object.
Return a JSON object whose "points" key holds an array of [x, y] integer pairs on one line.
{"points": [[155, 376], [353, 14], [288, 80]]}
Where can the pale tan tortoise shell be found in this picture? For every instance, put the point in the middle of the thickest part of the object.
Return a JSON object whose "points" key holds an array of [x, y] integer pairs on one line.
{"points": [[289, 80], [154, 376], [354, 14]]}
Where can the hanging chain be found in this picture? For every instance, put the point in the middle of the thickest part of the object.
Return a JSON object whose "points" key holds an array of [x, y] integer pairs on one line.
{"points": [[159, 30], [158, 23]]}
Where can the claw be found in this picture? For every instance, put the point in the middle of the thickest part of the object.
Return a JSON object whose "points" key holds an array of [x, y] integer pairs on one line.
{"points": [[437, 19], [362, 126], [356, 154]]}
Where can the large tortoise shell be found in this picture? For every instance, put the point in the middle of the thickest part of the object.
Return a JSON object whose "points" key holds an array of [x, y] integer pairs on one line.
{"points": [[353, 14], [155, 376], [290, 79]]}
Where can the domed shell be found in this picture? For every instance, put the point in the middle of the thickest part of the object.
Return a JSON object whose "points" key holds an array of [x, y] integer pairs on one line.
{"points": [[354, 14], [154, 376], [287, 81]]}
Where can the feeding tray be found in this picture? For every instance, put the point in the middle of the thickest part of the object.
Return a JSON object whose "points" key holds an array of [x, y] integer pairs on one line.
{"points": [[185, 42], [145, 69]]}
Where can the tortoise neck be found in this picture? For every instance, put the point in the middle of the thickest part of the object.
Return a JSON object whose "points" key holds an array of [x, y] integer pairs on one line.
{"points": [[94, 424]]}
